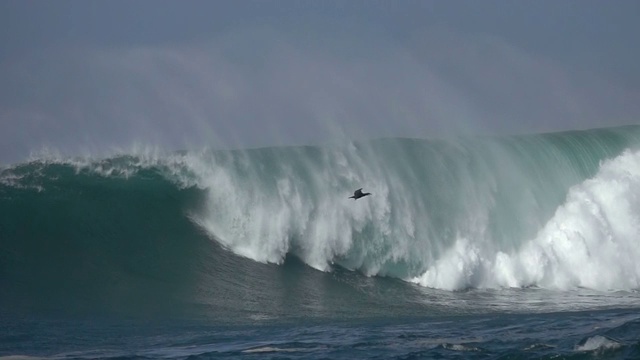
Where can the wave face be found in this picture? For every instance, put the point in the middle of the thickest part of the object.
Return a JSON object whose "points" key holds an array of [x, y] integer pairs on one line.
{"points": [[84, 233], [553, 210]]}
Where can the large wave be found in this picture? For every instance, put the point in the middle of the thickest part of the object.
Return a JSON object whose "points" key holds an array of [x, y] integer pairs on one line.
{"points": [[553, 210]]}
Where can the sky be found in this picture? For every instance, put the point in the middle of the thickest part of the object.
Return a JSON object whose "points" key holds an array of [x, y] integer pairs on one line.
{"points": [[88, 77]]}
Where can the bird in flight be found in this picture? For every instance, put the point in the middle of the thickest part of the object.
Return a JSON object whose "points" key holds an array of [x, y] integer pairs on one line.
{"points": [[358, 194]]}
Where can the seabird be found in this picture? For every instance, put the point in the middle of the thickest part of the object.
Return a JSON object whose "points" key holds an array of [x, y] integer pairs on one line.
{"points": [[358, 194]]}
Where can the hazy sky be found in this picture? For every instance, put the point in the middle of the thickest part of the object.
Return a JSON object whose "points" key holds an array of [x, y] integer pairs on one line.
{"points": [[87, 76]]}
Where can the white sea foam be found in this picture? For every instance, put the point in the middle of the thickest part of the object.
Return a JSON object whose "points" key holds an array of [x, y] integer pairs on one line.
{"points": [[591, 241], [265, 221], [598, 343]]}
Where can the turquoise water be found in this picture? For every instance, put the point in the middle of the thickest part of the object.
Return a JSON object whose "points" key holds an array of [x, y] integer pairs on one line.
{"points": [[510, 247]]}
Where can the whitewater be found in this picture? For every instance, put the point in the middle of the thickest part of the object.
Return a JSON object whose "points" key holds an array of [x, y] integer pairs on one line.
{"points": [[456, 229], [445, 215]]}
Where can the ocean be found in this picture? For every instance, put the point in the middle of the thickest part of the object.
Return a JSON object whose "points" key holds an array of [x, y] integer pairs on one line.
{"points": [[509, 247]]}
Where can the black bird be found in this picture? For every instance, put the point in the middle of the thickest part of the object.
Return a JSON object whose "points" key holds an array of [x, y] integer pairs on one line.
{"points": [[358, 194]]}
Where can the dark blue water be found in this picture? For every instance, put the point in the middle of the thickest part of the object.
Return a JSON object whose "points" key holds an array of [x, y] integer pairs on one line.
{"points": [[607, 334]]}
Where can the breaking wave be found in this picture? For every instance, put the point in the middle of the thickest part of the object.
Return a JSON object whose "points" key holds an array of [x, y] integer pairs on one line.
{"points": [[557, 211]]}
